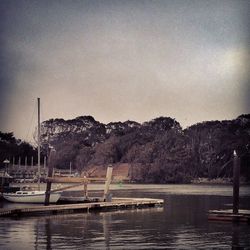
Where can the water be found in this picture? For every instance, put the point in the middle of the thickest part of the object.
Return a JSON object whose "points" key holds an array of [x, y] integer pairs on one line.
{"points": [[180, 224]]}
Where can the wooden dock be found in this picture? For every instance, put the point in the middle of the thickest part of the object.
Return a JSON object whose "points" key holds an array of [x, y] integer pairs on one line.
{"points": [[115, 204], [228, 215]]}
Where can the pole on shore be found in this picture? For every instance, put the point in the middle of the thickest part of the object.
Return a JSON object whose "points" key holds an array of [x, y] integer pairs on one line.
{"points": [[236, 183]]}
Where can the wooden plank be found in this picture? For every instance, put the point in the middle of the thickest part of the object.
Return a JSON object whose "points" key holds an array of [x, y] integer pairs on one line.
{"points": [[67, 187], [72, 179]]}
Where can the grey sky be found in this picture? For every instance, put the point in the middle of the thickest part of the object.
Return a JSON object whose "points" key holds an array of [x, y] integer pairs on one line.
{"points": [[120, 60]]}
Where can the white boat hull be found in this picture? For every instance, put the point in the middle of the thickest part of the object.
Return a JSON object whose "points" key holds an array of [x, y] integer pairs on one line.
{"points": [[30, 197]]}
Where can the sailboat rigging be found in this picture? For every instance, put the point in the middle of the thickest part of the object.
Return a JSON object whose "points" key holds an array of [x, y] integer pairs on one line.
{"points": [[39, 143], [34, 196]]}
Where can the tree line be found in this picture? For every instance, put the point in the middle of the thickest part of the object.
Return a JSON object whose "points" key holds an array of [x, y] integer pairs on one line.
{"points": [[160, 148], [12, 148]]}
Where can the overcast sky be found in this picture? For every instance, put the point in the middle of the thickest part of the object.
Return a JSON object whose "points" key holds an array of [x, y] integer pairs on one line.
{"points": [[123, 60]]}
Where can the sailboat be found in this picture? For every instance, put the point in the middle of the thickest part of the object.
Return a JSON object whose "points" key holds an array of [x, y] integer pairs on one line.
{"points": [[33, 196], [30, 197]]}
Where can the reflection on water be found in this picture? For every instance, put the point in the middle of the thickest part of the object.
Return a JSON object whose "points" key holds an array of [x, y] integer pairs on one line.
{"points": [[181, 224]]}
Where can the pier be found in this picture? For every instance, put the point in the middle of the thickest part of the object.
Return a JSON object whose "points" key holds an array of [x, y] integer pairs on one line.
{"points": [[115, 204], [83, 203]]}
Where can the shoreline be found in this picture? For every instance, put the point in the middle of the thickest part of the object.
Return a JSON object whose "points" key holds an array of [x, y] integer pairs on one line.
{"points": [[98, 187]]}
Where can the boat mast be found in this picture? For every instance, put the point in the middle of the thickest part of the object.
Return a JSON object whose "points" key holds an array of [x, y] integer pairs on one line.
{"points": [[39, 146]]}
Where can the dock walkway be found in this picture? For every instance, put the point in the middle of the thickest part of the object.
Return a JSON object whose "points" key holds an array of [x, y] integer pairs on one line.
{"points": [[115, 204], [228, 215]]}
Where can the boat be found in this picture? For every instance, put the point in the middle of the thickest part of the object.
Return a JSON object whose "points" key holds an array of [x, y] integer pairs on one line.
{"points": [[31, 196]]}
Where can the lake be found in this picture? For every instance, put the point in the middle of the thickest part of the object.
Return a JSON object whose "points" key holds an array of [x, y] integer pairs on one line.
{"points": [[180, 224]]}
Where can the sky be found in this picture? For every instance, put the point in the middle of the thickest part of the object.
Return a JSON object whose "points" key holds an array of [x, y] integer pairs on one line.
{"points": [[123, 60]]}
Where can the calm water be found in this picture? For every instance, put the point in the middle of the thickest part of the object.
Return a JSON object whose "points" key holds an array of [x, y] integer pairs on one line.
{"points": [[180, 224]]}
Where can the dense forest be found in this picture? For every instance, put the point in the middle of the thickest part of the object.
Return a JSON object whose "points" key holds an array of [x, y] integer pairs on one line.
{"points": [[160, 150]]}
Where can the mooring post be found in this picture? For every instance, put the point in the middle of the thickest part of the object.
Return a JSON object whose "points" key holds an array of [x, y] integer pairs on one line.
{"points": [[85, 186], [48, 186], [107, 182], [50, 173], [236, 183]]}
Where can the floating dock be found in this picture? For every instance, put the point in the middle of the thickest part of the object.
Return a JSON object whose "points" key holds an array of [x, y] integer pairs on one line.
{"points": [[115, 204], [234, 215], [228, 215]]}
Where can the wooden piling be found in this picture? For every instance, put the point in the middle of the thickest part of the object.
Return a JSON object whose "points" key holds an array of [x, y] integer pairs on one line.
{"points": [[236, 183], [50, 173], [107, 182], [47, 193]]}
